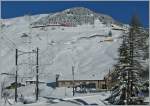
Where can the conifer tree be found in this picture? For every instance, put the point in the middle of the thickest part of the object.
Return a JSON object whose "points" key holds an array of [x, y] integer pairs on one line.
{"points": [[129, 67]]}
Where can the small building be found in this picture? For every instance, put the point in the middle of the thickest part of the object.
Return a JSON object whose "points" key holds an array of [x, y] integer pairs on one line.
{"points": [[117, 27], [83, 83], [108, 39], [33, 81], [97, 84]]}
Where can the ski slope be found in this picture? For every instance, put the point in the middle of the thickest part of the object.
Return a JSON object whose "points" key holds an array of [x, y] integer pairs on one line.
{"points": [[85, 47]]}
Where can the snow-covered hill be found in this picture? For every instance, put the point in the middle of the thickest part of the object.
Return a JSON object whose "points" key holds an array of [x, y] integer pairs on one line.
{"points": [[86, 46], [75, 16]]}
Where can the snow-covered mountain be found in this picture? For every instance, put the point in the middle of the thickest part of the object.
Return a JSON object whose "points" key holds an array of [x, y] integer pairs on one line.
{"points": [[86, 44], [75, 16]]}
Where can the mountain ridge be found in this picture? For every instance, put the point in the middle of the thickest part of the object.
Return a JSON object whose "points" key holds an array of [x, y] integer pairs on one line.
{"points": [[76, 16]]}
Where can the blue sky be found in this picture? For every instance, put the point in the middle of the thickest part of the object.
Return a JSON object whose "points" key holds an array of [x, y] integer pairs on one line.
{"points": [[119, 10]]}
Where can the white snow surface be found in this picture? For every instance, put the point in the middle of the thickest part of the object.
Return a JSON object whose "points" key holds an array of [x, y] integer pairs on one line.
{"points": [[97, 98], [85, 47], [59, 49]]}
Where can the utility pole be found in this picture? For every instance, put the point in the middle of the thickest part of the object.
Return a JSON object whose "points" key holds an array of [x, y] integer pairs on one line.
{"points": [[37, 68], [57, 76], [37, 74], [73, 80], [16, 75]]}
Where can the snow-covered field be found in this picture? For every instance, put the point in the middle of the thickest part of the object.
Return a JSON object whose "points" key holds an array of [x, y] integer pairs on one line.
{"points": [[85, 47], [62, 100]]}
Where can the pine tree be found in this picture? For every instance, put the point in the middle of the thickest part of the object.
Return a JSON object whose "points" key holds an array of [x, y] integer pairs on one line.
{"points": [[119, 92], [129, 67]]}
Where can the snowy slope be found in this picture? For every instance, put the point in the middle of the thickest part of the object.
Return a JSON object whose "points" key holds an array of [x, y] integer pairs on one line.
{"points": [[84, 47], [75, 16]]}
